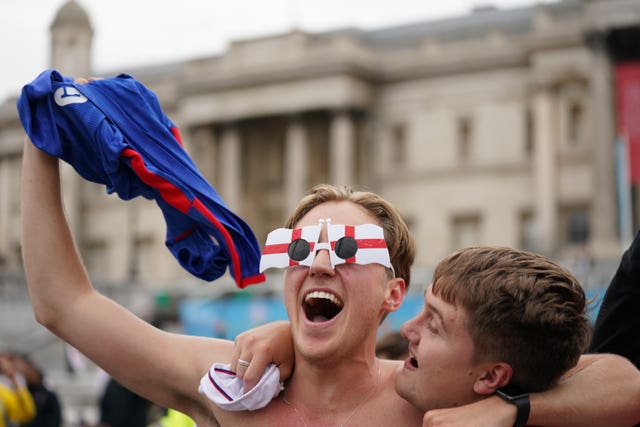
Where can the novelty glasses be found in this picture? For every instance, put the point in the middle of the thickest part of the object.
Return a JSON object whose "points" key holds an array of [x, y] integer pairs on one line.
{"points": [[358, 244]]}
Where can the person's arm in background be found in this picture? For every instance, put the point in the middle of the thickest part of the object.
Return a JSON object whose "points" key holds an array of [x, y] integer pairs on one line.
{"points": [[617, 328], [165, 368]]}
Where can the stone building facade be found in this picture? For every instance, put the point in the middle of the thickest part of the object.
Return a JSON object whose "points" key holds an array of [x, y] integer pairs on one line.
{"points": [[496, 127]]}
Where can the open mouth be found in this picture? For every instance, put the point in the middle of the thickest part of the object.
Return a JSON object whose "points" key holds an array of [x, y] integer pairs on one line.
{"points": [[320, 306], [413, 362]]}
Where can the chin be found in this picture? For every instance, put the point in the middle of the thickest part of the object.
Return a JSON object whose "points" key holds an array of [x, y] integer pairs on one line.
{"points": [[415, 397], [313, 350], [401, 388]]}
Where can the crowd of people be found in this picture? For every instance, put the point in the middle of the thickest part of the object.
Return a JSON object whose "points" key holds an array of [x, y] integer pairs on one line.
{"points": [[26, 400]]}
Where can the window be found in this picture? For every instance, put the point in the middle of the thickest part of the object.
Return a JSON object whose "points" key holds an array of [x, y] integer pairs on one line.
{"points": [[96, 258], [575, 123], [465, 133], [141, 263], [398, 144], [528, 232], [575, 223], [578, 227], [466, 231], [529, 135], [573, 97]]}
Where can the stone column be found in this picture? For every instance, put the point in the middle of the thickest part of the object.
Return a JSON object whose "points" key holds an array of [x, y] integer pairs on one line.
{"points": [[342, 149], [545, 171], [368, 170], [6, 203], [382, 138], [296, 163], [120, 249], [230, 187], [604, 213], [203, 151]]}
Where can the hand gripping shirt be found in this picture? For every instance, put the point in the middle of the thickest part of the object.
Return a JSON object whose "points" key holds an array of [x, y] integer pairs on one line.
{"points": [[225, 389], [114, 132]]}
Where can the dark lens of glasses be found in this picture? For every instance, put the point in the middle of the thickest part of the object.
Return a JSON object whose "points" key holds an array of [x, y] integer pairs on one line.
{"points": [[299, 249], [346, 247]]}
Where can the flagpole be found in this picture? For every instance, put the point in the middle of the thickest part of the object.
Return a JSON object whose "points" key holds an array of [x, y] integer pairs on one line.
{"points": [[623, 188]]}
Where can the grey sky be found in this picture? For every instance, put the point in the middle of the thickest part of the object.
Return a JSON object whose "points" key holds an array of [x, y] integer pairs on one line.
{"points": [[135, 32]]}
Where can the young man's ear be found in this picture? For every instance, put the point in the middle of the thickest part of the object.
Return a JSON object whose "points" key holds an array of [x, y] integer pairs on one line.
{"points": [[395, 294], [495, 375]]}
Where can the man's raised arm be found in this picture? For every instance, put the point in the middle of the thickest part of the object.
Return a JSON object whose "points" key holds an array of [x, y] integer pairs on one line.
{"points": [[165, 368]]}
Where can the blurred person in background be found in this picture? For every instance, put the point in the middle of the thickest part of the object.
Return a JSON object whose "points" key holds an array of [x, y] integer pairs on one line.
{"points": [[16, 403], [48, 408], [121, 407], [617, 327], [174, 418], [392, 346]]}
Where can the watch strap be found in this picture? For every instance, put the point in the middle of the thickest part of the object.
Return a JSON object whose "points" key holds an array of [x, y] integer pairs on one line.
{"points": [[521, 402]]}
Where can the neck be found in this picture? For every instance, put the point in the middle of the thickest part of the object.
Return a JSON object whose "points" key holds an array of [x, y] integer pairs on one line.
{"points": [[332, 388]]}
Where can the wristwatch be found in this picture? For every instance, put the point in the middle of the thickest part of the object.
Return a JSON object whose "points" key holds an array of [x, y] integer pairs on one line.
{"points": [[519, 398]]}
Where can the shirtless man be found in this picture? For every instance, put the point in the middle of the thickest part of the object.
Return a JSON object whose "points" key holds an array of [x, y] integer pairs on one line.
{"points": [[337, 379]]}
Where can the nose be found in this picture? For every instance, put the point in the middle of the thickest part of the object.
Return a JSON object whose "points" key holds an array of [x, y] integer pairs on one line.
{"points": [[322, 263], [407, 330]]}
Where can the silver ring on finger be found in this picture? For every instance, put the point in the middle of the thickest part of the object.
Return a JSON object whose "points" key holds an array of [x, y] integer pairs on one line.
{"points": [[242, 362]]}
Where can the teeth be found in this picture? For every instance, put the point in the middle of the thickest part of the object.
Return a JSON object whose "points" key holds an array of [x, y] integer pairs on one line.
{"points": [[323, 295]]}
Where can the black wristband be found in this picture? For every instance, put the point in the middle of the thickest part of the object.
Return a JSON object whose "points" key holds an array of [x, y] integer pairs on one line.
{"points": [[520, 400]]}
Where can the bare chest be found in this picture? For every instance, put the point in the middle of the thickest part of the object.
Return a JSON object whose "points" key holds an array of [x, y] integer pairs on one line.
{"points": [[377, 413]]}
